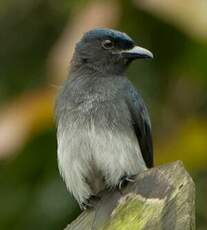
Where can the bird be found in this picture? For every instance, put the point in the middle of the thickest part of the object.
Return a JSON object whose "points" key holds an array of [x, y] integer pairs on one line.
{"points": [[103, 127]]}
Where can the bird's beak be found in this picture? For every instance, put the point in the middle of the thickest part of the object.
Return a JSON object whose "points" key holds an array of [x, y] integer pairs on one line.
{"points": [[137, 52]]}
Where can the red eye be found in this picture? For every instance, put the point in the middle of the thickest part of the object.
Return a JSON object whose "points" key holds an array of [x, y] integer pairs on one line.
{"points": [[107, 44]]}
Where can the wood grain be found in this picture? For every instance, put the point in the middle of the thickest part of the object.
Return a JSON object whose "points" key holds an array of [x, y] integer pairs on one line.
{"points": [[162, 198]]}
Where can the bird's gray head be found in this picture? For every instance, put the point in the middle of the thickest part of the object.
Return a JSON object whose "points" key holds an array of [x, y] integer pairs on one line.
{"points": [[107, 51]]}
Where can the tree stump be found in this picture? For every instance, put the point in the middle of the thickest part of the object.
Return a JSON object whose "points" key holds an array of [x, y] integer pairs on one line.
{"points": [[162, 198]]}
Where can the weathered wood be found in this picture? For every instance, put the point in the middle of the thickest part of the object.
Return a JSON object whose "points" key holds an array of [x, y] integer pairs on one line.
{"points": [[162, 198]]}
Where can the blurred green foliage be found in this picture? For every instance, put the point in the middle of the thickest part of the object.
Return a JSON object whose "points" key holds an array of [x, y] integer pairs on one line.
{"points": [[29, 29], [32, 194]]}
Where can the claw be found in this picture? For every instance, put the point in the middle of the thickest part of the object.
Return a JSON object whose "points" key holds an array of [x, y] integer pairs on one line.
{"points": [[89, 203], [85, 205], [124, 181]]}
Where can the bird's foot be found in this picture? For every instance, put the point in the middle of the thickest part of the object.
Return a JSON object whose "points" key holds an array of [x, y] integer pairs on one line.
{"points": [[125, 180], [85, 205], [90, 202]]}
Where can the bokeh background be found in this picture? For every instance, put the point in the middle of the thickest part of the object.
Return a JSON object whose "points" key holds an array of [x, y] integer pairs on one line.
{"points": [[36, 43]]}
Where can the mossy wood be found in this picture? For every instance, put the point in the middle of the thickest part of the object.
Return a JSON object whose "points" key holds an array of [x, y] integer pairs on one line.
{"points": [[162, 198]]}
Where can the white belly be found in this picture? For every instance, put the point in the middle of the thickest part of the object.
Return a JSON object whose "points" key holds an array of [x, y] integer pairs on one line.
{"points": [[84, 152]]}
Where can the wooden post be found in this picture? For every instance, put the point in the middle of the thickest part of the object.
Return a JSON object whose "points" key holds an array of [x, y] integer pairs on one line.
{"points": [[162, 198]]}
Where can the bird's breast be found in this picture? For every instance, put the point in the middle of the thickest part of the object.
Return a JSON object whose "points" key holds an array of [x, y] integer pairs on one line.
{"points": [[103, 112]]}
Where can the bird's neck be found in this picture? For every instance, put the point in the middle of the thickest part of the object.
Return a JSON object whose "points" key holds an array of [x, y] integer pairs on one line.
{"points": [[84, 67], [87, 79]]}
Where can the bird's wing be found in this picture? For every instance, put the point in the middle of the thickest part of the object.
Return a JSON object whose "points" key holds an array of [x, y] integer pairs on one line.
{"points": [[141, 124]]}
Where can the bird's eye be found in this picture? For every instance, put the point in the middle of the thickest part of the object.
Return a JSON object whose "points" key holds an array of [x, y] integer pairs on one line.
{"points": [[107, 44]]}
